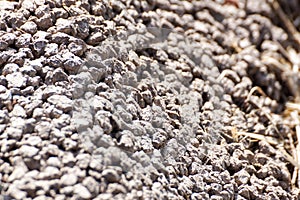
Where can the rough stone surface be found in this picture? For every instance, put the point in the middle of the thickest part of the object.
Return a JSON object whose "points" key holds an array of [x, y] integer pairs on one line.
{"points": [[169, 99]]}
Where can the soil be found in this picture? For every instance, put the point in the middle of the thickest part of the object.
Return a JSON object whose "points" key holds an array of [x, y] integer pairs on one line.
{"points": [[149, 99]]}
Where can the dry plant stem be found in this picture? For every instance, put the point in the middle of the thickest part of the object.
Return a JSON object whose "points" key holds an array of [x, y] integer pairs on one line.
{"points": [[289, 158], [268, 139], [294, 153], [289, 25], [293, 106], [295, 116], [277, 143], [284, 52], [256, 88]]}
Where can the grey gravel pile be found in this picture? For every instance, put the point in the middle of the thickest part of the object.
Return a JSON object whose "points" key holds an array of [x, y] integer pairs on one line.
{"points": [[140, 100]]}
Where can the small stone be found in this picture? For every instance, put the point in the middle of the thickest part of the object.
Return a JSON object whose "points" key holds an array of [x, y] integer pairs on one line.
{"points": [[60, 38], [10, 68], [38, 113], [69, 144], [68, 179], [23, 40], [59, 75], [17, 173], [16, 80], [29, 27], [36, 64], [29, 5], [18, 111], [82, 191], [242, 177], [9, 38], [45, 22], [83, 160], [64, 25], [19, 57], [216, 197], [68, 158], [4, 116], [3, 45], [41, 35], [14, 133], [4, 56], [91, 184], [77, 48], [60, 13], [51, 49], [71, 62], [55, 61], [54, 161], [115, 188], [33, 163], [49, 173], [28, 69], [82, 27], [2, 89], [43, 129], [38, 46], [61, 102], [28, 151], [16, 193], [95, 38], [111, 175]]}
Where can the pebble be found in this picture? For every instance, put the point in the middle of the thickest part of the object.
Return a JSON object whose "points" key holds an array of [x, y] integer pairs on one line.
{"points": [[64, 25], [61, 102], [29, 27], [23, 40], [17, 173], [28, 151], [68, 180], [16, 80], [18, 111], [54, 161], [50, 49], [82, 191], [111, 175], [91, 184], [83, 160], [49, 172], [3, 45]]}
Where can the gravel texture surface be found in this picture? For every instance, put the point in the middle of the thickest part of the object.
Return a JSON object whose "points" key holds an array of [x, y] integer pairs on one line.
{"points": [[151, 99]]}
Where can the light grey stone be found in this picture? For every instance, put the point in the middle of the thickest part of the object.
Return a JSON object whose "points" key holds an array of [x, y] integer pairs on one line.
{"points": [[17, 173], [91, 184], [18, 111], [28, 151], [82, 191], [29, 27], [16, 80], [83, 160], [54, 161], [61, 102], [68, 179]]}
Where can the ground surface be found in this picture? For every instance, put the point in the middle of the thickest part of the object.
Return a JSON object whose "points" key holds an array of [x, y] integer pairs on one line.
{"points": [[147, 100]]}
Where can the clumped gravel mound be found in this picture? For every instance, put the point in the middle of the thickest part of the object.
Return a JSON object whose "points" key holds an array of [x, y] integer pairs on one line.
{"points": [[144, 100]]}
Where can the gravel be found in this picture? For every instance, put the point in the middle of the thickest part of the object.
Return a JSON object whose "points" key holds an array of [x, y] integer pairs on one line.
{"points": [[143, 100]]}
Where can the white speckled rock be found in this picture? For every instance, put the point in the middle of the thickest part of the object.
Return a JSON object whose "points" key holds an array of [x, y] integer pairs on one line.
{"points": [[29, 27], [16, 80], [82, 191]]}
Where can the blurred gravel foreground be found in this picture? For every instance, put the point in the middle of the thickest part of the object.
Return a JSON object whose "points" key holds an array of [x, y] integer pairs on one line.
{"points": [[148, 100]]}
